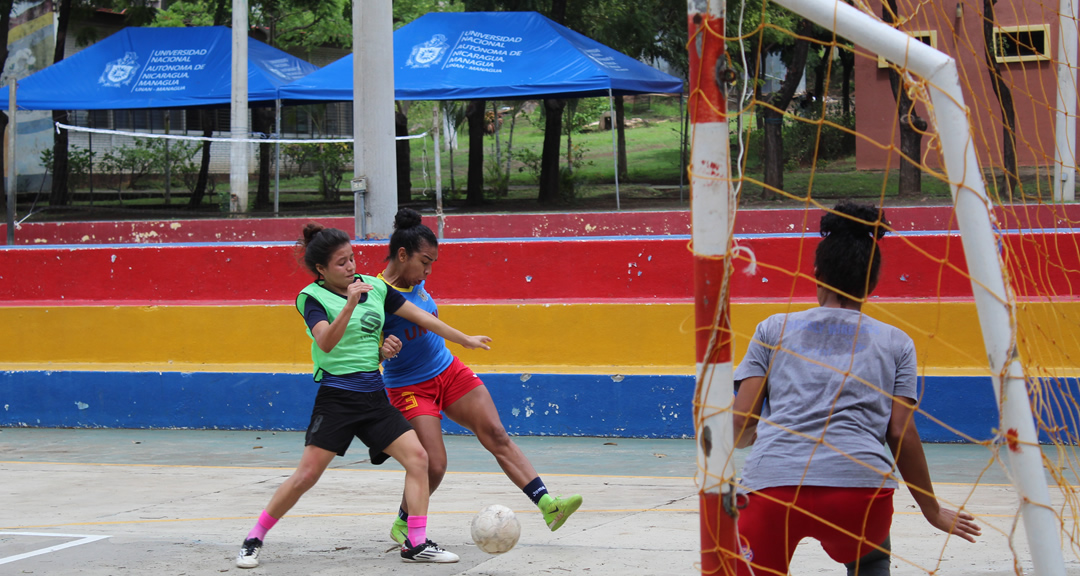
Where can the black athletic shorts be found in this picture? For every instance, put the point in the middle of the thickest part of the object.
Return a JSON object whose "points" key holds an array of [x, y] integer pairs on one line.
{"points": [[339, 415]]}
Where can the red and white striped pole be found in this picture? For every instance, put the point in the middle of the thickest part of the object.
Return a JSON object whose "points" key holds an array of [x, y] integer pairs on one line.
{"points": [[712, 203]]}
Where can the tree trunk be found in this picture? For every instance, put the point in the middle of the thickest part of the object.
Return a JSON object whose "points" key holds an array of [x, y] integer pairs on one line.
{"points": [[1005, 101], [847, 61], [208, 120], [403, 157], [60, 195], [569, 116], [475, 111], [549, 154], [911, 125], [620, 129], [553, 113], [262, 120], [819, 77], [773, 115]]}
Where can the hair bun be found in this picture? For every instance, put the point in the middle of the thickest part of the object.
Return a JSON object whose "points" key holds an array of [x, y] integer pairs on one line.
{"points": [[310, 230], [846, 216], [406, 218]]}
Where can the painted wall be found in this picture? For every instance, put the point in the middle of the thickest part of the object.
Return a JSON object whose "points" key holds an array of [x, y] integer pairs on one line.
{"points": [[593, 270], [1033, 85], [647, 406], [591, 336], [539, 225]]}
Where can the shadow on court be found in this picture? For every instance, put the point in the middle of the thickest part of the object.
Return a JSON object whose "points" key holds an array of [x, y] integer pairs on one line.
{"points": [[104, 502]]}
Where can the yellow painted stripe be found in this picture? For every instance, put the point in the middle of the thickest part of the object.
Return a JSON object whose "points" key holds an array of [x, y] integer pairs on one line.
{"points": [[620, 338]]}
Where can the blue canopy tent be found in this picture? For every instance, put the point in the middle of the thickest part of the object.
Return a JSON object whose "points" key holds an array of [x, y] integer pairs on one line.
{"points": [[494, 55], [157, 68], [138, 68]]}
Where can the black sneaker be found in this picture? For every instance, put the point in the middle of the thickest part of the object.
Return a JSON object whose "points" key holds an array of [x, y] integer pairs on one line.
{"points": [[249, 553], [426, 552]]}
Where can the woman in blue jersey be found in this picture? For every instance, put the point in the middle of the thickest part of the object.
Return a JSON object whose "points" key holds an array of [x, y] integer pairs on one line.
{"points": [[344, 312], [831, 387], [425, 380]]}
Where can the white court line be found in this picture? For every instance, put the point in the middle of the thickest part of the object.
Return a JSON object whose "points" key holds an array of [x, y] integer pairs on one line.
{"points": [[83, 539]]}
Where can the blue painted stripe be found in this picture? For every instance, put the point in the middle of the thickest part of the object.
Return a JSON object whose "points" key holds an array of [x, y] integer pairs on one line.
{"points": [[537, 405]]}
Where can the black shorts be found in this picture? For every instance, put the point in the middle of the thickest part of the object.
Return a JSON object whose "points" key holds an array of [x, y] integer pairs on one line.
{"points": [[339, 415]]}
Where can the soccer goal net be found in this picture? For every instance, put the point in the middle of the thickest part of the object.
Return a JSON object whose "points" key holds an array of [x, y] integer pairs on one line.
{"points": [[957, 120]]}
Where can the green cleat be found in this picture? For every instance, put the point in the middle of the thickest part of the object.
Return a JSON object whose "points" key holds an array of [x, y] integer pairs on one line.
{"points": [[399, 531], [557, 509]]}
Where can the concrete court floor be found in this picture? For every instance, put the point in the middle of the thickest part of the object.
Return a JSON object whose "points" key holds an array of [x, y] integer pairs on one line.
{"points": [[179, 502]]}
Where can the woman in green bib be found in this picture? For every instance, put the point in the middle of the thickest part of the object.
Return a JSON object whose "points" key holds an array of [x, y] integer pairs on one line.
{"points": [[344, 313]]}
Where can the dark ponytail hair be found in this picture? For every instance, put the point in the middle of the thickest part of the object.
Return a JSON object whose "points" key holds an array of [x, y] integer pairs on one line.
{"points": [[317, 245], [410, 233], [849, 248]]}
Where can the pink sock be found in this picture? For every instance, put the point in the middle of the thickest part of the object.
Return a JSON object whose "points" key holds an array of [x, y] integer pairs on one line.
{"points": [[265, 523], [417, 530]]}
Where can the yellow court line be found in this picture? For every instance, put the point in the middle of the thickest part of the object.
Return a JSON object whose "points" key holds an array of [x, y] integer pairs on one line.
{"points": [[430, 513], [331, 468], [455, 472]]}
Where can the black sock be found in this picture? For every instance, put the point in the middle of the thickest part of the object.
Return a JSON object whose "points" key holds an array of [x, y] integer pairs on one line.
{"points": [[402, 514], [535, 490]]}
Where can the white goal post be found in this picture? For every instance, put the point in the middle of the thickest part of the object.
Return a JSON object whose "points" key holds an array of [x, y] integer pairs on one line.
{"points": [[993, 298]]}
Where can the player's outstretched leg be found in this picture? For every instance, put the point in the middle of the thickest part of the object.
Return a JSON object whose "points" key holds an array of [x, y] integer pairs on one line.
{"points": [[313, 462]]}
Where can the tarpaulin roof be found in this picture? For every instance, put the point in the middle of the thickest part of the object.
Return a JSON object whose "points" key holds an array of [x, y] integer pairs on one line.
{"points": [[156, 68], [493, 55]]}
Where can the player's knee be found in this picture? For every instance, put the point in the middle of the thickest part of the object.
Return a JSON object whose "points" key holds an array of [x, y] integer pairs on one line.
{"points": [[304, 478], [415, 459], [436, 466], [494, 437]]}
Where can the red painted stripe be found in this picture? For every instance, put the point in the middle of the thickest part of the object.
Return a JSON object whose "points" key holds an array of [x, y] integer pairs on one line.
{"points": [[707, 45], [570, 224], [549, 270], [708, 285]]}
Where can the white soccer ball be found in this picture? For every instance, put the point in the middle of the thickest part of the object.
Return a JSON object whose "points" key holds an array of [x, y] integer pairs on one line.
{"points": [[495, 529]]}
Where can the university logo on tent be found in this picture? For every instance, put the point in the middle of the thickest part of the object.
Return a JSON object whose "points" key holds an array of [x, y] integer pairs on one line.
{"points": [[119, 72], [427, 54]]}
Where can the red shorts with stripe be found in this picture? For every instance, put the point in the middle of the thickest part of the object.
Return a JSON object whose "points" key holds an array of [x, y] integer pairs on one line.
{"points": [[847, 521], [428, 398]]}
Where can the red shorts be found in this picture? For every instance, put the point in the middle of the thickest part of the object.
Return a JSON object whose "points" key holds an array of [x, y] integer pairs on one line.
{"points": [[428, 398], [847, 521]]}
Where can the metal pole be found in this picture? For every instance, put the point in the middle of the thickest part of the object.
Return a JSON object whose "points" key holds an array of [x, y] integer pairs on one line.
{"points": [[373, 118], [614, 146], [90, 137], [682, 149], [994, 301], [277, 154], [1065, 122], [438, 170], [168, 170], [711, 214], [12, 173], [359, 189], [238, 175]]}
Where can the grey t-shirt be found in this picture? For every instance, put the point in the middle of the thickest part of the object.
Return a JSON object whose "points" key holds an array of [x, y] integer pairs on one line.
{"points": [[808, 402]]}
